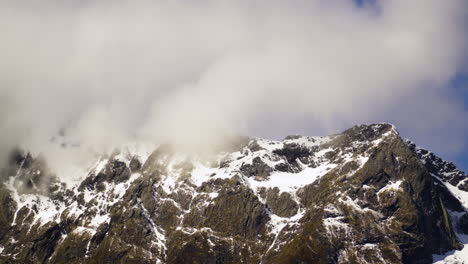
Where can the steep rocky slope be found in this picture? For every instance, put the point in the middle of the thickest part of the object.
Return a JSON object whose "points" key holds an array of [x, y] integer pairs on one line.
{"points": [[362, 196]]}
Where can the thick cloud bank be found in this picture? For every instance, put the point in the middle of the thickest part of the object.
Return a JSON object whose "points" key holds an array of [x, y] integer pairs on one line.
{"points": [[110, 71]]}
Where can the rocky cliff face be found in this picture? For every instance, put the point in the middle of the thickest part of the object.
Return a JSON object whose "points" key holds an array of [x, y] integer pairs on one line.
{"points": [[362, 196]]}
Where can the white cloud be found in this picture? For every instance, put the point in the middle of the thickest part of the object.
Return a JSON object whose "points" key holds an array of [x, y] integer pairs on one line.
{"points": [[191, 71]]}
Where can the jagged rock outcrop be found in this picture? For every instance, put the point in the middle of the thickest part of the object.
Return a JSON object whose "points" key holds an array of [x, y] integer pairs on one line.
{"points": [[363, 196]]}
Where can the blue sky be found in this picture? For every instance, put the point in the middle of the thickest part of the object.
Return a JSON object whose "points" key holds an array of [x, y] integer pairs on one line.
{"points": [[457, 89], [460, 87], [462, 161]]}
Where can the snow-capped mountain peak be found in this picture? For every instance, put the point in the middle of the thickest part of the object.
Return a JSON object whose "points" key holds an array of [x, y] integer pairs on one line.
{"points": [[364, 195]]}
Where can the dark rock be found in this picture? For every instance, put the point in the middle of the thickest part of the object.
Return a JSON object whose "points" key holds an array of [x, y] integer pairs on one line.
{"points": [[135, 164], [281, 204], [293, 151], [254, 146], [258, 168], [462, 223]]}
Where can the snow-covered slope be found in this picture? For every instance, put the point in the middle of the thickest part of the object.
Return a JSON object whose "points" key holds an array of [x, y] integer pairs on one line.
{"points": [[364, 195]]}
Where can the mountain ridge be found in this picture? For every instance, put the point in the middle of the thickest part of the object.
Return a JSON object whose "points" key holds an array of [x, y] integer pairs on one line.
{"points": [[364, 195]]}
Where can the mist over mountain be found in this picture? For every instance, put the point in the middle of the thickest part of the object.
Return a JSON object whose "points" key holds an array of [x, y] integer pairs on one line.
{"points": [[110, 71], [153, 131]]}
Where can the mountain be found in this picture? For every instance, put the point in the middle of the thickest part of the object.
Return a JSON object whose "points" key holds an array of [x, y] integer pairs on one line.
{"points": [[362, 196]]}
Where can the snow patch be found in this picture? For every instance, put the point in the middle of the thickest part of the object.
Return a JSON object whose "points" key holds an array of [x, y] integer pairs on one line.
{"points": [[45, 210], [99, 220], [391, 186], [462, 196], [278, 223], [336, 226], [351, 203], [454, 256], [290, 182], [81, 230], [203, 173]]}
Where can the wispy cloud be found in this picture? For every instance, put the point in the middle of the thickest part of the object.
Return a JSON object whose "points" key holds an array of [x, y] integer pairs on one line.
{"points": [[192, 71]]}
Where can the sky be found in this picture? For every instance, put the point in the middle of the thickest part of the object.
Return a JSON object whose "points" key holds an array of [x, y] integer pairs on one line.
{"points": [[108, 72], [460, 87]]}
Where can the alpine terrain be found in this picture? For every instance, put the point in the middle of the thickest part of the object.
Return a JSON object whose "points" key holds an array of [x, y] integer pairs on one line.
{"points": [[362, 196]]}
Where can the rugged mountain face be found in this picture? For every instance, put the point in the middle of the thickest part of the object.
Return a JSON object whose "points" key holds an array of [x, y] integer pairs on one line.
{"points": [[362, 196]]}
